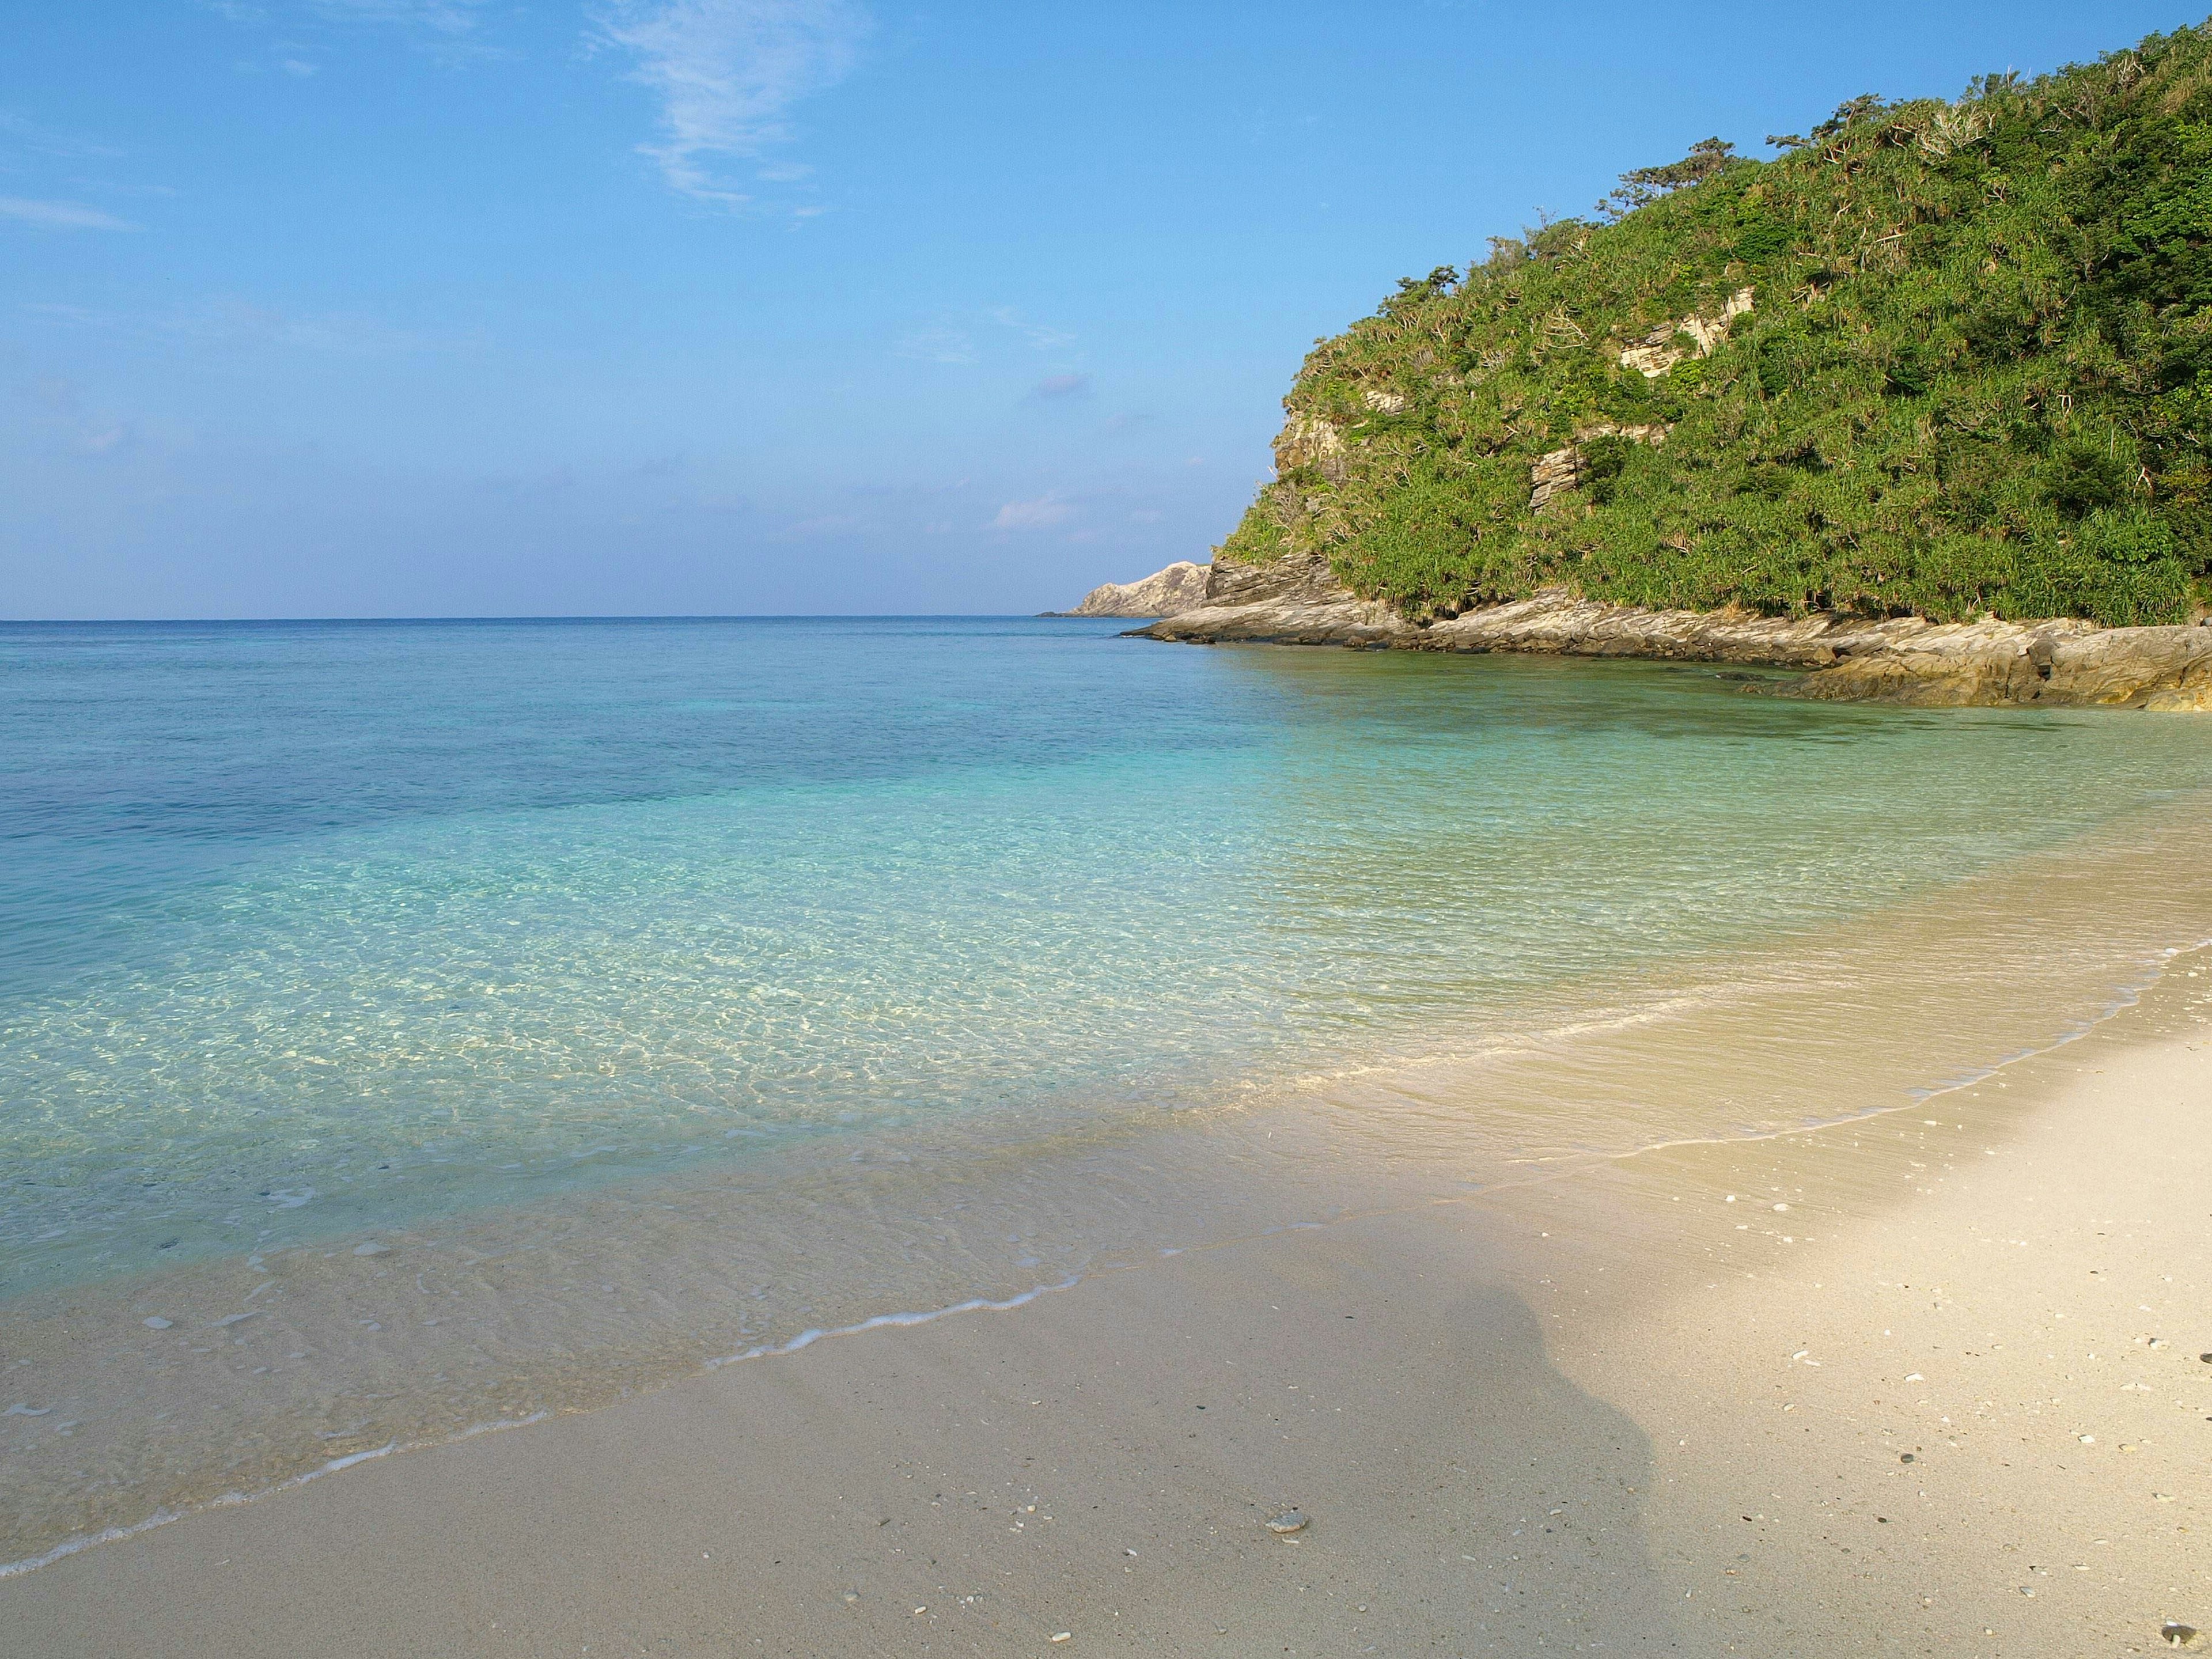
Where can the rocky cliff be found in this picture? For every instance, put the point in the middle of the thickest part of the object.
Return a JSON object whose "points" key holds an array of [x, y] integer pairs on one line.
{"points": [[1298, 600], [1165, 594]]}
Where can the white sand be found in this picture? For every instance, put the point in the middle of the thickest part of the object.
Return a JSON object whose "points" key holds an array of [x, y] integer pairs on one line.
{"points": [[1534, 1422]]}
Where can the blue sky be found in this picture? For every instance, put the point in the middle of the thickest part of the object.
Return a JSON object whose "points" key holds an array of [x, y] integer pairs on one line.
{"points": [[434, 307]]}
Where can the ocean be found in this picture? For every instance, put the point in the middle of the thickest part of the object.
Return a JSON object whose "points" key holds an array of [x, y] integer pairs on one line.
{"points": [[412, 1028]]}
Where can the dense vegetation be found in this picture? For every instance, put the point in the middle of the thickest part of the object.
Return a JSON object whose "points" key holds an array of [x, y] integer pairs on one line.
{"points": [[1976, 375]]}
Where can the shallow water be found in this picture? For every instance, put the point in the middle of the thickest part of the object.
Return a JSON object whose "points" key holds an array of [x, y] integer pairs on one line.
{"points": [[633, 994]]}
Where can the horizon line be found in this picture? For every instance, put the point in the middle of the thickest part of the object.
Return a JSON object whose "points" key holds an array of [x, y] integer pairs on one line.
{"points": [[568, 616]]}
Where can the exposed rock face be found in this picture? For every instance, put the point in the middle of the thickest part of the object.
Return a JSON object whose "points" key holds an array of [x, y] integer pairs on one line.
{"points": [[1990, 664], [1309, 440], [1299, 601], [1165, 594], [1294, 601], [1659, 351], [1562, 469]]}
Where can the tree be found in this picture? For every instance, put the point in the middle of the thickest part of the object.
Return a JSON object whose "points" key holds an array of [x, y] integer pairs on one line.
{"points": [[1646, 185], [1851, 110]]}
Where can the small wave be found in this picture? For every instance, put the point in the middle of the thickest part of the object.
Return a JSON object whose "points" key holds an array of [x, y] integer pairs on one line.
{"points": [[70, 1546], [979, 1304]]}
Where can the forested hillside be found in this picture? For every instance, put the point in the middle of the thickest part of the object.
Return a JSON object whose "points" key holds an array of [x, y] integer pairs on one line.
{"points": [[1943, 358]]}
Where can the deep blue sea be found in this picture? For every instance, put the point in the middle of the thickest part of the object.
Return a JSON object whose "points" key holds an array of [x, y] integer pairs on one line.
{"points": [[314, 932]]}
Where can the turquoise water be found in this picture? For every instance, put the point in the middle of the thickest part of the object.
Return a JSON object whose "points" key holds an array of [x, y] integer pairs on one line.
{"points": [[310, 928], [410, 1028]]}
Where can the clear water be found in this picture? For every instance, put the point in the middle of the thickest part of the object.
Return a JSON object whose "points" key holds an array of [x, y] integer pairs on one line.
{"points": [[309, 930]]}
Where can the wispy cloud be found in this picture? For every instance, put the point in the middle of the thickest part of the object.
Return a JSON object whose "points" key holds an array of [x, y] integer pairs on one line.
{"points": [[969, 337], [59, 216], [1042, 513], [728, 73], [448, 30], [938, 345], [1057, 386], [1044, 336], [233, 324], [439, 16], [825, 523], [47, 141]]}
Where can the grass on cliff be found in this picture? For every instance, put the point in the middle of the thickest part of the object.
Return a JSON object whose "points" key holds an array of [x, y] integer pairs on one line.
{"points": [[1977, 376]]}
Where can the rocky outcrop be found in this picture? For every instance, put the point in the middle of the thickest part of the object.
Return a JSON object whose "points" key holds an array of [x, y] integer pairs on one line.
{"points": [[1993, 663], [1165, 594], [1297, 600], [1904, 660], [1661, 350], [1562, 470]]}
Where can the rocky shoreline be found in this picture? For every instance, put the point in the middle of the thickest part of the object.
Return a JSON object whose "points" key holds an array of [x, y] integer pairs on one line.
{"points": [[1167, 593], [1986, 664]]}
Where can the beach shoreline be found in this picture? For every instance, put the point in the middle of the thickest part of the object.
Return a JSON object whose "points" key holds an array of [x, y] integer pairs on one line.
{"points": [[151, 1397], [1617, 1352]]}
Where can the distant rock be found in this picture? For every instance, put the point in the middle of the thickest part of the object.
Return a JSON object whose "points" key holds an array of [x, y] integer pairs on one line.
{"points": [[1299, 600], [1169, 593]]}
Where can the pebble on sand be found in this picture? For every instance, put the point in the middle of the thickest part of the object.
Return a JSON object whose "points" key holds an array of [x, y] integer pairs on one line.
{"points": [[157, 1323], [1288, 1521]]}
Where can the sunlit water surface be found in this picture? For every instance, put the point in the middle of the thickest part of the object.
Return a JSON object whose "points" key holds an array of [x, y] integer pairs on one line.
{"points": [[660, 989]]}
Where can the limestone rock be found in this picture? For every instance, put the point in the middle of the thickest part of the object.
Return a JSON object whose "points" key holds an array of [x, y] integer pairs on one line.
{"points": [[1562, 469], [1298, 600], [1555, 471], [1164, 593], [1311, 440], [1659, 352]]}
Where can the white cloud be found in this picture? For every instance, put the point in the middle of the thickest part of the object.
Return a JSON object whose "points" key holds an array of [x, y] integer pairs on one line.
{"points": [[727, 73], [938, 345], [1044, 512], [60, 215], [47, 141], [825, 523], [442, 16], [234, 323], [1044, 336]]}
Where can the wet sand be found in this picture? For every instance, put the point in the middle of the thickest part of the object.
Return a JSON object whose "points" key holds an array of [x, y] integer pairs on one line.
{"points": [[1611, 1410]]}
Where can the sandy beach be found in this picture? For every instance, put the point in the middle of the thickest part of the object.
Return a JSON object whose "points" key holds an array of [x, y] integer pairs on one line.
{"points": [[620, 1034], [1927, 1382]]}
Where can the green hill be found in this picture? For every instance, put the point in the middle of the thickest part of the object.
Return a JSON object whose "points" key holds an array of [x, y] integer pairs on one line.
{"points": [[1942, 358]]}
